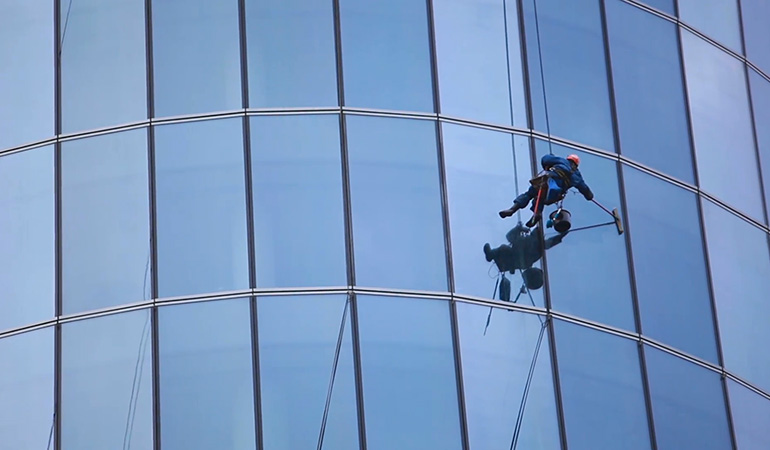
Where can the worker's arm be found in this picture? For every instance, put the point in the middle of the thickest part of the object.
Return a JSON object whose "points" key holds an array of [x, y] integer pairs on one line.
{"points": [[580, 184]]}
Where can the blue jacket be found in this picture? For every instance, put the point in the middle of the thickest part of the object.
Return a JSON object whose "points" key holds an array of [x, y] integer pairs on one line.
{"points": [[565, 175]]}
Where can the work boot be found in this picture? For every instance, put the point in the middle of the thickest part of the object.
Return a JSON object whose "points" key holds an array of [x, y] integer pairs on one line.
{"points": [[533, 221], [510, 211], [488, 252]]}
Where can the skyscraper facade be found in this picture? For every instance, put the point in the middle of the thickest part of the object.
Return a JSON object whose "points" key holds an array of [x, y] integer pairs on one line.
{"points": [[303, 190]]}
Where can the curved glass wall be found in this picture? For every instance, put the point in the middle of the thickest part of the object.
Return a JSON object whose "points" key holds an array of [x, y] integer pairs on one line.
{"points": [[274, 224]]}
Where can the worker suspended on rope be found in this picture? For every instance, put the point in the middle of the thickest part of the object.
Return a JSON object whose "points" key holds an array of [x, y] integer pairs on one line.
{"points": [[550, 186], [522, 251]]}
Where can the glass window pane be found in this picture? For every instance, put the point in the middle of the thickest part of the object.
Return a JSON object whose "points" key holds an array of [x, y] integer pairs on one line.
{"points": [[667, 6], [386, 55], [206, 383], [760, 96], [718, 20], [751, 414], [103, 63], [296, 177], [574, 69], [671, 280], [27, 237], [721, 121], [756, 32], [298, 338], [601, 387], [484, 170], [740, 273], [303, 29], [396, 203], [649, 90], [26, 387], [106, 385], [588, 272], [474, 74], [504, 352], [196, 56], [105, 221], [27, 77], [407, 360], [201, 207], [688, 403]]}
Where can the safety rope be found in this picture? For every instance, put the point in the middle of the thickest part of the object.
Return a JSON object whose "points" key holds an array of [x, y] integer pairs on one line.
{"points": [[64, 32], [50, 433], [527, 385], [139, 365], [542, 79], [494, 292], [333, 376]]}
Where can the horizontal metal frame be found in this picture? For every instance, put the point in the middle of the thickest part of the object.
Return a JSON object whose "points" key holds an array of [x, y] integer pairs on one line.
{"points": [[440, 296], [403, 114]]}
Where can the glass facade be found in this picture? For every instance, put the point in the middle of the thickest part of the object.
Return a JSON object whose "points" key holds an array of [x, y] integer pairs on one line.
{"points": [[273, 225]]}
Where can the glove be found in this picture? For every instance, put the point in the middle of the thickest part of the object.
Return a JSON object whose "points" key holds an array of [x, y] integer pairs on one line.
{"points": [[589, 196]]}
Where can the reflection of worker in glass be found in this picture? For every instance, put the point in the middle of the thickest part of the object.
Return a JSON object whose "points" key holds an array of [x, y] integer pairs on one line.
{"points": [[551, 186], [523, 250]]}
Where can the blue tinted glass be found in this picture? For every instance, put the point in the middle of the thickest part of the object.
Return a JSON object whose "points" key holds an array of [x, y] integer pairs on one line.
{"points": [[724, 142], [303, 29], [106, 385], [206, 385], [410, 391], [718, 20], [473, 68], [504, 354], [574, 68], [671, 280], [688, 403], [27, 77], [103, 63], [751, 414], [298, 338], [26, 389], [760, 96], [756, 33], [484, 171], [601, 388], [201, 207], [649, 90], [740, 273], [396, 203], [385, 54], [105, 221], [666, 6], [27, 237], [588, 272], [296, 177], [196, 56]]}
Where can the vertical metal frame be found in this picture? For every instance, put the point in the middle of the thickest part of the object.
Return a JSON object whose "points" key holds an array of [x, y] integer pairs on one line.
{"points": [[347, 210], [624, 209], [559, 406], [153, 227], [248, 183], [461, 408], [58, 307]]}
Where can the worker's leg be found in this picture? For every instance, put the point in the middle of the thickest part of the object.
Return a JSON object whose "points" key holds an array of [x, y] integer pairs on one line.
{"points": [[520, 202]]}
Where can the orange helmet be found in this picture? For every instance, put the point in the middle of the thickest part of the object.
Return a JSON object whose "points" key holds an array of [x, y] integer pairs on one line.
{"points": [[574, 158]]}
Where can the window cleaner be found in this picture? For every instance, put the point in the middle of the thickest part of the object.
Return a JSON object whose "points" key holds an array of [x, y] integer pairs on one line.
{"points": [[550, 186]]}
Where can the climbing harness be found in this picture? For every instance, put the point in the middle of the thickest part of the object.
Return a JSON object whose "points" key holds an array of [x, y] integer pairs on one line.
{"points": [[333, 376]]}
